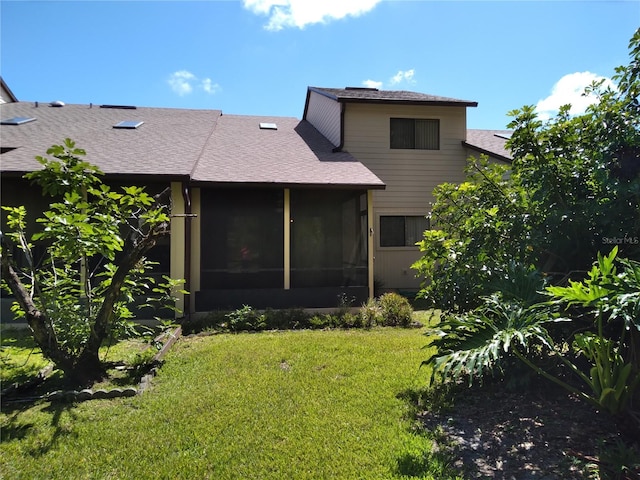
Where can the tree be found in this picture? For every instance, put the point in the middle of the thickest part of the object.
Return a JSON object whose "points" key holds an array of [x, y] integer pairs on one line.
{"points": [[572, 190], [95, 239]]}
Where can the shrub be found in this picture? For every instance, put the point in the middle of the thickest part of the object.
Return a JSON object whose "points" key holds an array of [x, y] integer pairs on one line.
{"points": [[396, 310], [371, 313], [245, 318]]}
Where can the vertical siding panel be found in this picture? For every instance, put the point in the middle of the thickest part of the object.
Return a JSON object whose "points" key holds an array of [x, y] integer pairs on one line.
{"points": [[324, 114]]}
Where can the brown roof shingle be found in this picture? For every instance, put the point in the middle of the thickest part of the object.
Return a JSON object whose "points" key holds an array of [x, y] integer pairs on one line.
{"points": [[490, 142], [294, 154], [200, 145], [167, 143]]}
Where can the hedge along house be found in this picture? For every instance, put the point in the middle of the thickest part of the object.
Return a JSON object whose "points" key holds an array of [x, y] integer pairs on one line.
{"points": [[264, 212]]}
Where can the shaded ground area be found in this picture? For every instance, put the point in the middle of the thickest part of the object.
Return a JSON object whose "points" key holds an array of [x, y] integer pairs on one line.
{"points": [[498, 435]]}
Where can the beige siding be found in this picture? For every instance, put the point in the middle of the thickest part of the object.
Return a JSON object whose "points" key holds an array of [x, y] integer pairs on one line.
{"points": [[177, 237], [196, 253], [5, 97], [324, 114], [410, 175]]}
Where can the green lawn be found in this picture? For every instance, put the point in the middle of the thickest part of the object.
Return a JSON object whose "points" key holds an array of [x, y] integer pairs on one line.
{"points": [[278, 405]]}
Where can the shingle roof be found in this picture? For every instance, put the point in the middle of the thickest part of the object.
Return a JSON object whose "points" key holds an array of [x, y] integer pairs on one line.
{"points": [[490, 142], [294, 154], [167, 143], [201, 145], [373, 95]]}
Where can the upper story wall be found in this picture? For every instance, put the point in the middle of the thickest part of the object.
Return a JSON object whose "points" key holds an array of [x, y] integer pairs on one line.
{"points": [[409, 174], [324, 114], [6, 95]]}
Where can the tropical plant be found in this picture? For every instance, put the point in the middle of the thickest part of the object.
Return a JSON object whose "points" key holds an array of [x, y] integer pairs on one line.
{"points": [[476, 342], [79, 293], [612, 300]]}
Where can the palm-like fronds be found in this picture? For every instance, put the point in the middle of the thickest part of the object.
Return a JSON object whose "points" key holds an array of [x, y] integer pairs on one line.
{"points": [[473, 343]]}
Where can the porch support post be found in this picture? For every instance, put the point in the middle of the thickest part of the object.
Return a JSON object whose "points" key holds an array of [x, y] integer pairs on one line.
{"points": [[287, 239], [370, 243], [177, 237]]}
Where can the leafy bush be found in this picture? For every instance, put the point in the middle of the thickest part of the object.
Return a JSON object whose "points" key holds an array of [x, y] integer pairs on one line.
{"points": [[245, 318], [396, 310]]}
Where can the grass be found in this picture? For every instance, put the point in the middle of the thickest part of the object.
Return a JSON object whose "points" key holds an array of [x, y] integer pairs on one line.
{"points": [[20, 360], [297, 404]]}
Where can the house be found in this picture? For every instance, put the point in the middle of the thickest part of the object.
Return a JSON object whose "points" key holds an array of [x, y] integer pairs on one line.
{"points": [[266, 211]]}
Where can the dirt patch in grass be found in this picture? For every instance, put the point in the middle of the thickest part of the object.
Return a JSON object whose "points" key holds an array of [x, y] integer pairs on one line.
{"points": [[498, 435]]}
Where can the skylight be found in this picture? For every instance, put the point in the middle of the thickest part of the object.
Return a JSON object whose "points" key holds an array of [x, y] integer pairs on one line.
{"points": [[17, 120], [268, 126], [130, 124]]}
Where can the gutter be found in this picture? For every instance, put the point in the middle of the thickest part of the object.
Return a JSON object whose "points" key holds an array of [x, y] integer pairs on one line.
{"points": [[187, 248], [339, 148]]}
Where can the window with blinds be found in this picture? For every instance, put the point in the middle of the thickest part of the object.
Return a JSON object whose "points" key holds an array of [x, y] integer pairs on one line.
{"points": [[414, 133], [402, 231]]}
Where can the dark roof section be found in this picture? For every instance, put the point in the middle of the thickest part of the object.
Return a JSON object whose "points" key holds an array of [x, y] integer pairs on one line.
{"points": [[397, 97], [489, 142], [294, 154]]}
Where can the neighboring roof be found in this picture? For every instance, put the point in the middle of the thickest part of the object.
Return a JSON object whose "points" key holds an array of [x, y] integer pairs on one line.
{"points": [[6, 95], [489, 142], [200, 145], [294, 154], [167, 143], [373, 95]]}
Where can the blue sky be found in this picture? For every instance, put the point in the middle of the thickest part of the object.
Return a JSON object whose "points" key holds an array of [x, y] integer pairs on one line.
{"points": [[257, 57]]}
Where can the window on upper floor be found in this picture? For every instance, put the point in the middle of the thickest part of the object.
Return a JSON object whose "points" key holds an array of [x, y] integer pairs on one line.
{"points": [[414, 133], [402, 230]]}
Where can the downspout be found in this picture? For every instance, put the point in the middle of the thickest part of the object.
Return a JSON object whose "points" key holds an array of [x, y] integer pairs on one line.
{"points": [[187, 248], [341, 146]]}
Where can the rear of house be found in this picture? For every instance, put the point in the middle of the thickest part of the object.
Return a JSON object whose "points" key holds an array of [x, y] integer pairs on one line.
{"points": [[267, 211]]}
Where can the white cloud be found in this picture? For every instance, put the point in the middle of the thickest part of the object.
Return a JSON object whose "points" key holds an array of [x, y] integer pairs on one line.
{"points": [[300, 13], [183, 83], [403, 76], [180, 82], [210, 87], [372, 84], [570, 90]]}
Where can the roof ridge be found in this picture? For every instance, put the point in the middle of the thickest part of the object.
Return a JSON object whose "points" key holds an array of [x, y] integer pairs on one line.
{"points": [[204, 147]]}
